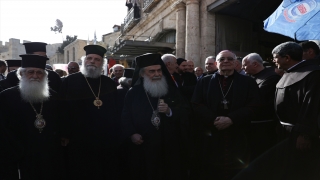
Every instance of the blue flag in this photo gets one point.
(298, 19)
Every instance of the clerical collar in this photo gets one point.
(295, 65)
(224, 75)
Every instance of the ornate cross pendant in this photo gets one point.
(225, 103)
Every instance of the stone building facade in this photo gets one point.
(13, 48)
(74, 51)
(110, 39)
(57, 58)
(202, 28)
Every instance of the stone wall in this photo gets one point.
(57, 58)
(110, 38)
(74, 51)
(13, 48)
(161, 18)
(194, 26)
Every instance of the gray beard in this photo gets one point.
(157, 88)
(91, 71)
(34, 91)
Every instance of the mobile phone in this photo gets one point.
(161, 101)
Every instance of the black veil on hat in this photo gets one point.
(13, 62)
(95, 49)
(33, 60)
(32, 47)
(146, 60)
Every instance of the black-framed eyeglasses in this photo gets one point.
(225, 58)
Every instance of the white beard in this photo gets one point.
(91, 71)
(34, 91)
(157, 88)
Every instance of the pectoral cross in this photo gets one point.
(225, 103)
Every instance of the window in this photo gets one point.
(169, 37)
(74, 54)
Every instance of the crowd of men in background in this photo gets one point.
(164, 119)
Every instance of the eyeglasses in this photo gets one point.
(225, 58)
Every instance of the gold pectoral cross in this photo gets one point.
(225, 103)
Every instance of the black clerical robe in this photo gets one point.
(160, 155)
(3, 84)
(93, 132)
(122, 91)
(186, 83)
(225, 151)
(297, 98)
(36, 154)
(263, 128)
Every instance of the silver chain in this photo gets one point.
(224, 96)
(150, 101)
(35, 109)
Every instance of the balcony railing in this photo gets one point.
(132, 18)
(148, 5)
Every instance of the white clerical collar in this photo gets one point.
(295, 65)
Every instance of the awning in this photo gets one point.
(253, 10)
(136, 48)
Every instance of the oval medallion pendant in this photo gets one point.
(40, 123)
(155, 120)
(97, 102)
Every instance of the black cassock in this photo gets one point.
(186, 83)
(263, 129)
(122, 91)
(93, 131)
(36, 154)
(159, 156)
(225, 152)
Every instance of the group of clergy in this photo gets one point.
(162, 123)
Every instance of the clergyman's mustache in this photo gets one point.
(32, 79)
(91, 66)
(156, 78)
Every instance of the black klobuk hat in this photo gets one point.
(13, 62)
(95, 49)
(32, 47)
(32, 60)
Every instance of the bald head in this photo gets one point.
(211, 64)
(73, 67)
(171, 63)
(226, 60)
(190, 66)
(198, 71)
(252, 63)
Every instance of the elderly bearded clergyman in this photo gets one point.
(29, 114)
(152, 119)
(90, 118)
